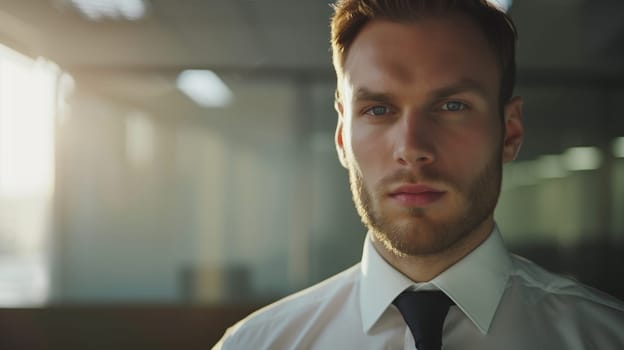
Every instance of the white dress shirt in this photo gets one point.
(502, 302)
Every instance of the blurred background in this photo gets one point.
(168, 166)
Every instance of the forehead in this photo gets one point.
(431, 51)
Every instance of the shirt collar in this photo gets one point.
(489, 264)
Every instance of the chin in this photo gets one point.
(411, 237)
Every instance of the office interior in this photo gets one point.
(137, 210)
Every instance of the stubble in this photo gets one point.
(424, 233)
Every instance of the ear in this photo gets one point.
(514, 129)
(339, 134)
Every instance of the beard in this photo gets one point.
(426, 233)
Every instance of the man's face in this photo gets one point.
(421, 134)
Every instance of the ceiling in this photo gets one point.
(277, 34)
(176, 34)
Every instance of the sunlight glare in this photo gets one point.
(27, 101)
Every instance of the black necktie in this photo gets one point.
(424, 312)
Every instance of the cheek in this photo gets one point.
(470, 152)
(369, 152)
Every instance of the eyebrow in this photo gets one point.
(364, 94)
(462, 85)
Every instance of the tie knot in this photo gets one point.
(424, 312)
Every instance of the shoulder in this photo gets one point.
(565, 296)
(283, 321)
(536, 277)
(572, 312)
(310, 298)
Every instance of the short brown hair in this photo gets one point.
(350, 16)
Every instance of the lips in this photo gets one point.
(416, 195)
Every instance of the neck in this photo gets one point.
(424, 268)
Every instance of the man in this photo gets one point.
(426, 120)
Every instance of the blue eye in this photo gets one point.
(378, 110)
(453, 106)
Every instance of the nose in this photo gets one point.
(414, 140)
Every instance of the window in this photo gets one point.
(28, 96)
